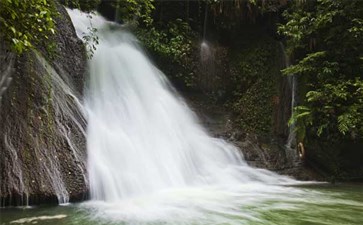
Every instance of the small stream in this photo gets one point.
(335, 204)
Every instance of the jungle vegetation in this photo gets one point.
(324, 39)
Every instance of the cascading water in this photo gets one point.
(207, 76)
(207, 71)
(292, 134)
(68, 112)
(6, 70)
(148, 157)
(291, 151)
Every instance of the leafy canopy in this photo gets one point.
(326, 39)
(24, 24)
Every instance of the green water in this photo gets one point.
(332, 204)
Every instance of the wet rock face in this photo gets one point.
(42, 140)
(261, 152)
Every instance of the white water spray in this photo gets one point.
(207, 76)
(149, 159)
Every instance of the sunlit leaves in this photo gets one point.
(135, 11)
(173, 41)
(25, 23)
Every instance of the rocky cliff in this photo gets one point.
(42, 139)
(248, 101)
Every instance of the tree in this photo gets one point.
(325, 39)
(26, 23)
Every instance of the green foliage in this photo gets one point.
(255, 108)
(25, 24)
(135, 11)
(301, 118)
(230, 14)
(325, 37)
(91, 41)
(171, 43)
(253, 69)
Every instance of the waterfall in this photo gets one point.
(292, 134)
(149, 158)
(207, 76)
(68, 113)
(40, 143)
(291, 152)
(207, 60)
(6, 70)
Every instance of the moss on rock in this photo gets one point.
(255, 73)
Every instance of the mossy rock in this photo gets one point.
(256, 76)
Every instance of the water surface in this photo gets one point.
(314, 204)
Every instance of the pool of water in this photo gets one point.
(313, 204)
